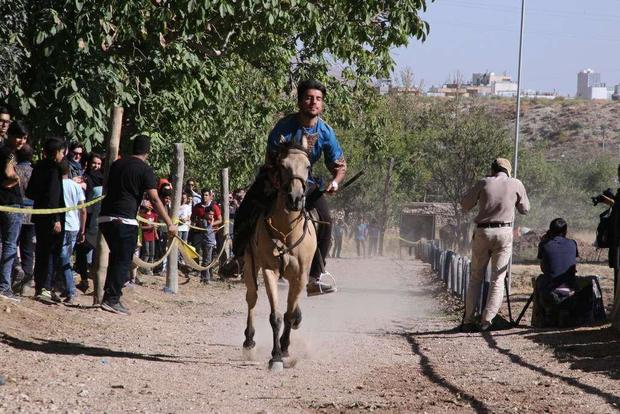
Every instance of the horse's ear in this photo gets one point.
(304, 142)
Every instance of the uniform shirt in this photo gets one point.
(73, 195)
(321, 141)
(558, 256)
(128, 179)
(496, 196)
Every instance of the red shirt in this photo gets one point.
(148, 234)
(199, 212)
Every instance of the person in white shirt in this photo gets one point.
(184, 215)
(75, 224)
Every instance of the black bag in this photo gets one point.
(603, 233)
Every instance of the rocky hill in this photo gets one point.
(569, 128)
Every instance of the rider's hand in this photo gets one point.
(332, 188)
(172, 230)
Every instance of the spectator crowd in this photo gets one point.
(46, 251)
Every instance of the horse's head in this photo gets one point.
(294, 167)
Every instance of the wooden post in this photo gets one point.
(178, 167)
(386, 203)
(225, 203)
(102, 252)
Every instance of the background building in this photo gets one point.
(589, 85)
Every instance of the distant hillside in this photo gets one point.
(571, 129)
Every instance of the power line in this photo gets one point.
(513, 29)
(581, 15)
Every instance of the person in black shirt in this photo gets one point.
(10, 195)
(45, 189)
(127, 181)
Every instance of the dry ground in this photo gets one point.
(385, 342)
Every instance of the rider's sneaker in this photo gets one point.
(316, 287)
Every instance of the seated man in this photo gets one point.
(558, 262)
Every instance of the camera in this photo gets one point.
(601, 197)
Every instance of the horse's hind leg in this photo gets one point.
(292, 317)
(275, 319)
(251, 296)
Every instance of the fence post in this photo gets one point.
(178, 167)
(99, 266)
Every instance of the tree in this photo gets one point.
(460, 142)
(207, 73)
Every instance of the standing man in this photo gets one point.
(45, 189)
(322, 140)
(10, 195)
(129, 178)
(496, 196)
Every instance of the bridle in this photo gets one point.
(279, 239)
(286, 185)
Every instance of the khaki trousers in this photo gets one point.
(495, 245)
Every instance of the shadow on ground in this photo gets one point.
(73, 348)
(593, 350)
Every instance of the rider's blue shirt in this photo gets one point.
(321, 139)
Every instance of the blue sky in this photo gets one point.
(561, 38)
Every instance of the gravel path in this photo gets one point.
(382, 343)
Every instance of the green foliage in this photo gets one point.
(459, 143)
(562, 188)
(212, 74)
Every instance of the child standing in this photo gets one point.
(206, 244)
(75, 226)
(149, 235)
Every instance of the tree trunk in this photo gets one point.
(386, 204)
(178, 167)
(100, 259)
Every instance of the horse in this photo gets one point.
(283, 245)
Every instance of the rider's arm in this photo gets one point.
(334, 158)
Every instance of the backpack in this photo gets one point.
(603, 230)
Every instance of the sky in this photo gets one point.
(561, 38)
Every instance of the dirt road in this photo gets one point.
(382, 343)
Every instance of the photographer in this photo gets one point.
(610, 221)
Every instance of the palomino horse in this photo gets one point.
(283, 244)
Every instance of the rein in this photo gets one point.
(282, 247)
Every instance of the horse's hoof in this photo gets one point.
(276, 366)
(249, 344)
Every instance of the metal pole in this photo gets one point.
(508, 280)
(518, 117)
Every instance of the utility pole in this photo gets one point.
(508, 280)
(178, 167)
(102, 253)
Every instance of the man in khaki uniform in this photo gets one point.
(496, 196)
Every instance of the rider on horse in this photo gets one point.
(321, 141)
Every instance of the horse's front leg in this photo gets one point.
(292, 317)
(251, 296)
(275, 319)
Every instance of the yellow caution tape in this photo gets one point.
(39, 211)
(187, 251)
